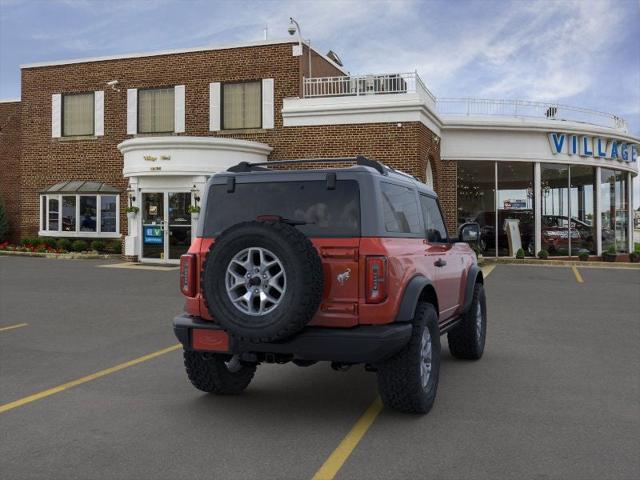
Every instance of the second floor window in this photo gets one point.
(156, 110)
(77, 114)
(241, 105)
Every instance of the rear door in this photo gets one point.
(443, 260)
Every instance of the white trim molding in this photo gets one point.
(391, 108)
(268, 114)
(56, 115)
(187, 156)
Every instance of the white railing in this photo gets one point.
(524, 108)
(357, 85)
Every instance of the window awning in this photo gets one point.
(81, 186)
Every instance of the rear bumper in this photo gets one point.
(362, 344)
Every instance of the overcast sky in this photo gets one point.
(583, 52)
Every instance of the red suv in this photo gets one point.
(348, 265)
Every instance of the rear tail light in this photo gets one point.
(376, 283)
(188, 275)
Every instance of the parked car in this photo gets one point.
(348, 265)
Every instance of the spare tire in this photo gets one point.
(262, 281)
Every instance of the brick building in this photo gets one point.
(91, 137)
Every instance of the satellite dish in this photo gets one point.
(335, 58)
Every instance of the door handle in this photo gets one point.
(440, 263)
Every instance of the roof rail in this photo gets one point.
(359, 160)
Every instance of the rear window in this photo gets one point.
(327, 213)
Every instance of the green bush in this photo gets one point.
(29, 242)
(543, 254)
(611, 249)
(79, 246)
(634, 257)
(97, 245)
(47, 242)
(4, 222)
(64, 244)
(583, 256)
(520, 253)
(114, 247)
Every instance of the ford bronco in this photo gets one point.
(349, 265)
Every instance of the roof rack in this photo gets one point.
(359, 160)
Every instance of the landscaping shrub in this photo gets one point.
(543, 254)
(114, 247)
(520, 253)
(583, 256)
(47, 242)
(4, 222)
(79, 246)
(64, 244)
(97, 245)
(29, 242)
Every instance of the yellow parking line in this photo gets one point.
(335, 461)
(577, 274)
(60, 388)
(11, 327)
(487, 269)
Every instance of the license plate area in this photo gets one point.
(210, 340)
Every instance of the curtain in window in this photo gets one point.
(77, 110)
(241, 105)
(156, 110)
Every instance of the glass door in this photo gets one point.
(166, 226)
(153, 215)
(179, 232)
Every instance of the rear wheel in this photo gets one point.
(467, 339)
(408, 381)
(217, 373)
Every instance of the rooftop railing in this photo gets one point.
(402, 83)
(357, 85)
(528, 109)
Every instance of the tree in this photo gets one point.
(4, 222)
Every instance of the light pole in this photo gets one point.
(294, 27)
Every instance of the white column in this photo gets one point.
(132, 245)
(598, 212)
(630, 211)
(537, 207)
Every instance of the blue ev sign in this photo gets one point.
(589, 146)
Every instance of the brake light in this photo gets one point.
(188, 275)
(376, 284)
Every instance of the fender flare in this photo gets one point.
(474, 276)
(411, 296)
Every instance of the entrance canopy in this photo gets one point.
(81, 186)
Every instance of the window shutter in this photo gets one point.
(267, 103)
(214, 106)
(132, 111)
(56, 115)
(98, 111)
(179, 108)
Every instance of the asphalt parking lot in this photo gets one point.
(555, 396)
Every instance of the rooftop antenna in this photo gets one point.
(266, 32)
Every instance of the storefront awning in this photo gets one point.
(81, 186)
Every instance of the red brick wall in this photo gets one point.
(10, 163)
(46, 161)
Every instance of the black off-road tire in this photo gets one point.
(399, 378)
(209, 373)
(466, 340)
(304, 280)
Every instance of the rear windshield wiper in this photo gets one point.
(278, 218)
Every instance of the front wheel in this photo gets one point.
(408, 381)
(218, 373)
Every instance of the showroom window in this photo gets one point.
(241, 105)
(156, 110)
(80, 209)
(516, 222)
(78, 114)
(477, 201)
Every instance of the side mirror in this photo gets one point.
(469, 232)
